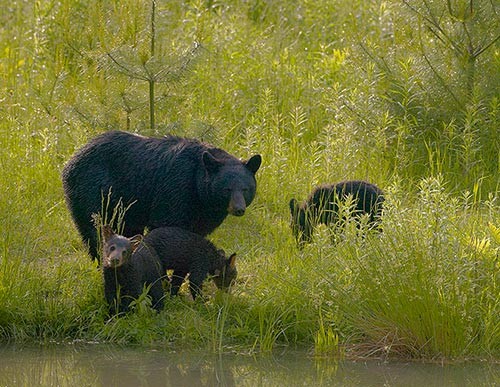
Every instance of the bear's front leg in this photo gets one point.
(176, 282)
(196, 279)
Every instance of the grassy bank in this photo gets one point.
(325, 92)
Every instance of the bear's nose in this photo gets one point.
(114, 261)
(239, 212)
(237, 204)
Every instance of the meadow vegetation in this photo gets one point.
(403, 93)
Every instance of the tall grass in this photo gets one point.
(325, 91)
(425, 287)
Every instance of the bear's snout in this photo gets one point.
(239, 212)
(237, 205)
(236, 210)
(112, 262)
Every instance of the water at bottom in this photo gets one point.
(104, 365)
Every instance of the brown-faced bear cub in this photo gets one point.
(129, 264)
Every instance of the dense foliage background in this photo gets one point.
(403, 93)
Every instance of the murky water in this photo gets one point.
(112, 366)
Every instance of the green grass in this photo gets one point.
(325, 91)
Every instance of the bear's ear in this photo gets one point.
(135, 241)
(211, 164)
(253, 163)
(232, 261)
(107, 232)
(294, 206)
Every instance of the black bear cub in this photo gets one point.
(185, 253)
(128, 265)
(131, 263)
(322, 206)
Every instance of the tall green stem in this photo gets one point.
(152, 103)
(151, 80)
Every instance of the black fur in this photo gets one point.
(186, 253)
(172, 181)
(128, 266)
(322, 206)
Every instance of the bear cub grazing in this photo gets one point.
(186, 253)
(322, 206)
(128, 265)
(167, 182)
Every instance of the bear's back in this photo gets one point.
(121, 150)
(177, 247)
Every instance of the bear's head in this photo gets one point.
(116, 249)
(231, 183)
(225, 275)
(300, 223)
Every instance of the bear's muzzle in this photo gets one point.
(237, 204)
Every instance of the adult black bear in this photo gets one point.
(322, 206)
(168, 181)
(186, 253)
(128, 267)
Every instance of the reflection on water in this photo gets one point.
(113, 366)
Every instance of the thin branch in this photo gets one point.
(132, 74)
(431, 21)
(481, 50)
(457, 17)
(378, 60)
(470, 44)
(152, 104)
(442, 81)
(151, 77)
(153, 27)
(164, 73)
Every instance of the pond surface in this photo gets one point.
(100, 365)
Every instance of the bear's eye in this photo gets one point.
(112, 248)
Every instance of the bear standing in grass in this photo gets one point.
(169, 181)
(131, 264)
(128, 266)
(185, 253)
(322, 206)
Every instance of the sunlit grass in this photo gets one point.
(285, 82)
